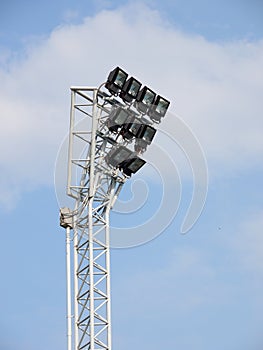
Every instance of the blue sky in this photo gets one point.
(196, 291)
(224, 20)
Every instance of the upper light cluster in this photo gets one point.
(129, 121)
(130, 90)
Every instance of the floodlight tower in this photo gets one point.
(108, 132)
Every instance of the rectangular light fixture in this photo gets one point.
(117, 118)
(144, 138)
(145, 99)
(146, 133)
(130, 90)
(116, 80)
(124, 159)
(159, 109)
(131, 128)
(132, 165)
(118, 155)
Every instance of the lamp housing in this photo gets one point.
(144, 138)
(117, 156)
(117, 118)
(146, 133)
(131, 128)
(130, 90)
(124, 159)
(116, 80)
(158, 109)
(132, 165)
(145, 99)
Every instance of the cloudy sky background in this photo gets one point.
(197, 291)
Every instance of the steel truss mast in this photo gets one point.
(94, 185)
(101, 157)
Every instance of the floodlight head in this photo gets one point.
(124, 159)
(144, 138)
(131, 128)
(116, 80)
(132, 165)
(117, 118)
(130, 90)
(159, 109)
(146, 133)
(117, 156)
(145, 99)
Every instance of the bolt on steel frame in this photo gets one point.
(94, 185)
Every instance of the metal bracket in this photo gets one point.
(66, 218)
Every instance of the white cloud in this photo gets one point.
(215, 87)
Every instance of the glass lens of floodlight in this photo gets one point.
(121, 155)
(134, 128)
(120, 79)
(121, 117)
(162, 106)
(134, 88)
(135, 165)
(148, 97)
(148, 134)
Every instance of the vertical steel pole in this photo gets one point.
(75, 231)
(107, 241)
(70, 146)
(76, 306)
(68, 265)
(90, 221)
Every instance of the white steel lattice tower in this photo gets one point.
(94, 182)
(95, 188)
